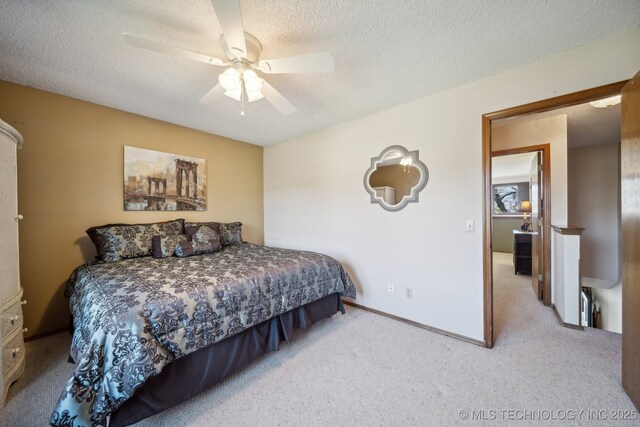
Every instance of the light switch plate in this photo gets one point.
(469, 226)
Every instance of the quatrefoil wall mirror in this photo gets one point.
(395, 178)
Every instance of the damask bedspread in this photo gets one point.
(133, 317)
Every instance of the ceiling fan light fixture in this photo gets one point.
(254, 95)
(264, 66)
(230, 80)
(240, 53)
(252, 82)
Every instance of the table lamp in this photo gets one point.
(525, 207)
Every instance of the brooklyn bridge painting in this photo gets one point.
(157, 181)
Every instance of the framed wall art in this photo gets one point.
(158, 181)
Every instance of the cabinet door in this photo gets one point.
(9, 273)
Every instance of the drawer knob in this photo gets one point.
(19, 217)
(14, 319)
(16, 351)
(25, 330)
(23, 302)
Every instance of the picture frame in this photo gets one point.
(159, 181)
(511, 206)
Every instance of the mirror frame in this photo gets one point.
(414, 196)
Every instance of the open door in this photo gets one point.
(487, 153)
(535, 196)
(629, 164)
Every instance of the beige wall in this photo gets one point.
(594, 203)
(396, 177)
(70, 177)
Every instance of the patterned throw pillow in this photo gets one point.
(230, 233)
(185, 249)
(191, 228)
(205, 234)
(203, 239)
(118, 241)
(163, 247)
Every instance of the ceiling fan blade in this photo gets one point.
(230, 19)
(277, 100)
(210, 97)
(161, 47)
(313, 63)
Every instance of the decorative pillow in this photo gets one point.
(205, 234)
(191, 228)
(185, 249)
(231, 233)
(163, 247)
(118, 241)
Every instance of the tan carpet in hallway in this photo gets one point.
(364, 369)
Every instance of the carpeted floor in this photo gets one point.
(364, 369)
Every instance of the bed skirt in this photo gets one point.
(191, 374)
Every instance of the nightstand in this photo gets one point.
(522, 252)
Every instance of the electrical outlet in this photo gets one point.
(408, 292)
(390, 288)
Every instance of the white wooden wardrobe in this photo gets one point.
(11, 328)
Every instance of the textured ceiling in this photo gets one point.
(586, 125)
(512, 167)
(386, 53)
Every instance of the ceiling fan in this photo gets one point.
(242, 50)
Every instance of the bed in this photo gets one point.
(150, 333)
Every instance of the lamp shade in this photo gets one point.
(525, 206)
(234, 94)
(229, 80)
(254, 96)
(252, 82)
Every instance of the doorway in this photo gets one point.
(519, 181)
(487, 120)
(521, 188)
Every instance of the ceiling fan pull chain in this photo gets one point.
(242, 97)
